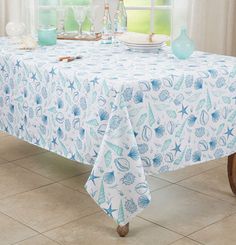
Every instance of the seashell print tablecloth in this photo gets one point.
(127, 114)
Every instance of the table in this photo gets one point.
(127, 114)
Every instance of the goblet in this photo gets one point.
(92, 14)
(61, 13)
(80, 13)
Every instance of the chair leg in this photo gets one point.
(123, 230)
(232, 172)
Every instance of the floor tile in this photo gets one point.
(100, 229)
(213, 182)
(37, 240)
(48, 207)
(3, 134)
(53, 166)
(189, 171)
(185, 241)
(14, 179)
(220, 233)
(12, 148)
(12, 231)
(185, 211)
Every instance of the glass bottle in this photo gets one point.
(120, 20)
(107, 31)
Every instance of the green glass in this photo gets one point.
(47, 36)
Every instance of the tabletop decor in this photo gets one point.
(126, 114)
(15, 31)
(183, 47)
(47, 36)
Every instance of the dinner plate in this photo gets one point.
(143, 39)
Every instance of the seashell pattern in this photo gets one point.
(126, 114)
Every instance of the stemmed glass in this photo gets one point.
(80, 13)
(92, 14)
(61, 12)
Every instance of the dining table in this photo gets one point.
(128, 114)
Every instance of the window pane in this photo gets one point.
(139, 21)
(137, 2)
(162, 23)
(162, 2)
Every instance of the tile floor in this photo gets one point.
(42, 202)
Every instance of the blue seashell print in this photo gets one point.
(222, 141)
(170, 127)
(1, 101)
(159, 131)
(102, 129)
(143, 201)
(204, 118)
(146, 162)
(219, 153)
(191, 120)
(130, 206)
(213, 143)
(122, 164)
(232, 87)
(144, 86)
(203, 146)
(76, 123)
(188, 155)
(157, 160)
(60, 118)
(196, 157)
(38, 99)
(114, 122)
(7, 89)
(220, 82)
(109, 178)
(215, 116)
(67, 125)
(60, 133)
(43, 129)
(83, 103)
(101, 101)
(142, 148)
(10, 117)
(81, 133)
(31, 113)
(189, 81)
(146, 133)
(60, 103)
(134, 154)
(45, 119)
(164, 95)
(138, 97)
(127, 94)
(76, 111)
(25, 93)
(12, 108)
(169, 158)
(213, 73)
(179, 99)
(200, 132)
(128, 179)
(103, 115)
(141, 188)
(164, 169)
(198, 84)
(44, 92)
(156, 84)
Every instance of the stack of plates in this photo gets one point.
(139, 42)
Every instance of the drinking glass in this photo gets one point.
(92, 13)
(61, 13)
(80, 13)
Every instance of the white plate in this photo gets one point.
(143, 45)
(142, 39)
(145, 49)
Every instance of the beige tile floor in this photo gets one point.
(43, 202)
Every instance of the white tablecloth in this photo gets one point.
(127, 114)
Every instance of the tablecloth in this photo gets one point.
(127, 114)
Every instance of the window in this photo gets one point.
(149, 16)
(143, 15)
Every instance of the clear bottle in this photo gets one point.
(107, 31)
(120, 20)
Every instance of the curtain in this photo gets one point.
(17, 11)
(212, 25)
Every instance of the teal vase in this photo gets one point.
(183, 46)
